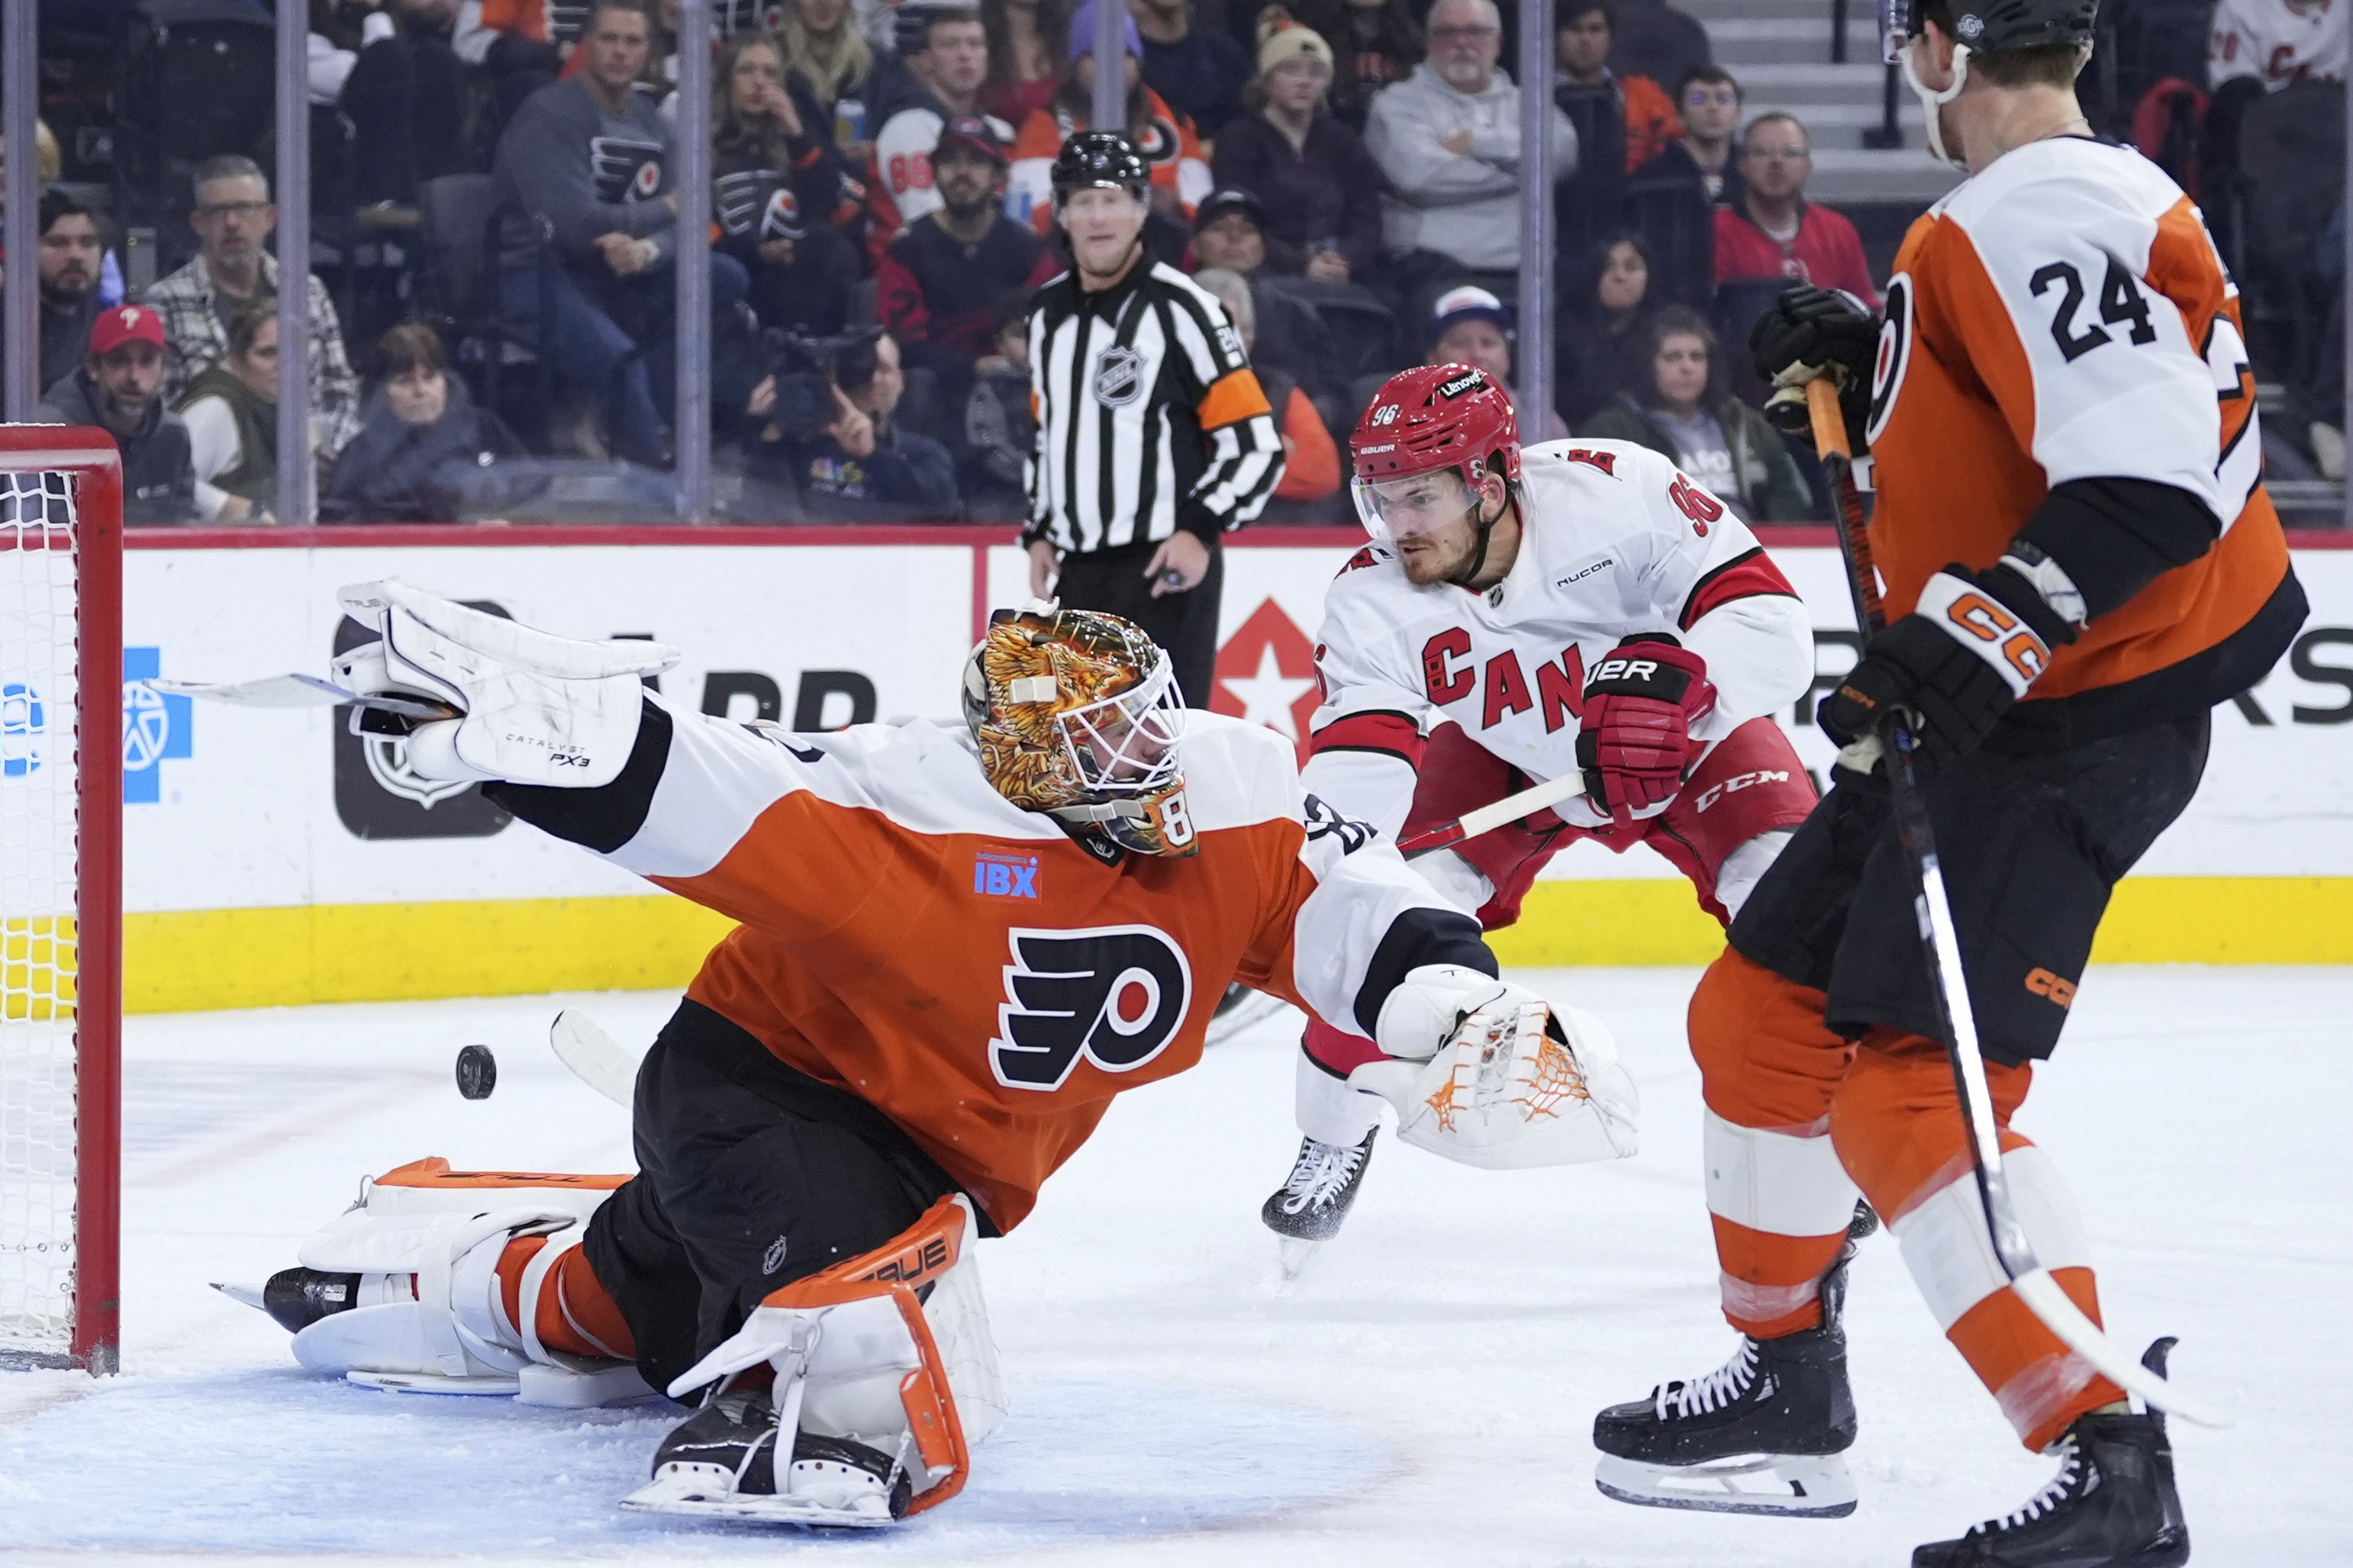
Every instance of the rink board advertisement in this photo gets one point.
(274, 858)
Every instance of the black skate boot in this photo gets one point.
(720, 1460)
(1761, 1434)
(1307, 1210)
(2112, 1505)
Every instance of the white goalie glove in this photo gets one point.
(532, 708)
(1490, 1074)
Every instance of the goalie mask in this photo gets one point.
(1077, 716)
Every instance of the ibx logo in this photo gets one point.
(996, 876)
(156, 728)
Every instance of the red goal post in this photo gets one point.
(61, 705)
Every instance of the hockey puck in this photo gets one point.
(478, 1072)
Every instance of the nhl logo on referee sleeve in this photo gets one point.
(1119, 378)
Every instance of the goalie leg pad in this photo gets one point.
(1517, 1085)
(889, 1352)
(438, 1304)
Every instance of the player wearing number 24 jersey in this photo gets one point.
(2079, 561)
(1575, 610)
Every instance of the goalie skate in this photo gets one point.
(1307, 1210)
(721, 1463)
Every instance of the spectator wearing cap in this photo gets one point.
(1200, 71)
(950, 65)
(1320, 191)
(233, 267)
(1448, 137)
(118, 388)
(785, 200)
(1029, 40)
(940, 280)
(1470, 326)
(1774, 232)
(1180, 167)
(1672, 200)
(72, 252)
(1311, 459)
(1622, 122)
(1374, 43)
(1229, 236)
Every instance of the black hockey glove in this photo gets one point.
(1809, 331)
(1954, 665)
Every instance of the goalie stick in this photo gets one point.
(1947, 979)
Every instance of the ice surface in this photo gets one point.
(1423, 1395)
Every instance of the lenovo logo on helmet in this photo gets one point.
(1469, 381)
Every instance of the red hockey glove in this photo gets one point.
(1635, 744)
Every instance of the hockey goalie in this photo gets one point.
(956, 943)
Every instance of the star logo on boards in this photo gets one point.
(1266, 675)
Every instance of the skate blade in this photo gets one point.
(429, 1383)
(696, 1496)
(250, 1295)
(1796, 1485)
(1294, 1253)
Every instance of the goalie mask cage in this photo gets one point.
(63, 706)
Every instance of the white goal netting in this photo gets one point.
(39, 796)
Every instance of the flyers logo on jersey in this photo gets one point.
(1113, 995)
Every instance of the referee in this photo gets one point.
(1153, 435)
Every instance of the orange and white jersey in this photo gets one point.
(2276, 43)
(2063, 315)
(964, 965)
(1616, 541)
(1179, 164)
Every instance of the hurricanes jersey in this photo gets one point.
(2063, 315)
(1615, 541)
(965, 967)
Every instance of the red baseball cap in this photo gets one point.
(971, 130)
(125, 325)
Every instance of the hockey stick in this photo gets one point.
(600, 1061)
(1947, 979)
(1511, 808)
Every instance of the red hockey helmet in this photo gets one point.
(1431, 418)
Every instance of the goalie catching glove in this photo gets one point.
(534, 708)
(1489, 1074)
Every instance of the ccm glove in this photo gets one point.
(1954, 665)
(1807, 333)
(1635, 742)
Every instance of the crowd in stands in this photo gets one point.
(1344, 175)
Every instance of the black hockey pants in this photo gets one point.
(750, 1175)
(1184, 623)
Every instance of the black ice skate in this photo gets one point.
(2112, 1504)
(720, 1461)
(1761, 1434)
(1307, 1210)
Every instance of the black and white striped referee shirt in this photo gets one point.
(1149, 417)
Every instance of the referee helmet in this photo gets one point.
(1100, 160)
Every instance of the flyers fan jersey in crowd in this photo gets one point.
(2096, 338)
(961, 964)
(1616, 541)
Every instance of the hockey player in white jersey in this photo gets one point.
(1579, 611)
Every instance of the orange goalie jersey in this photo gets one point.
(964, 965)
(2063, 315)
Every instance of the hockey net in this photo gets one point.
(60, 815)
